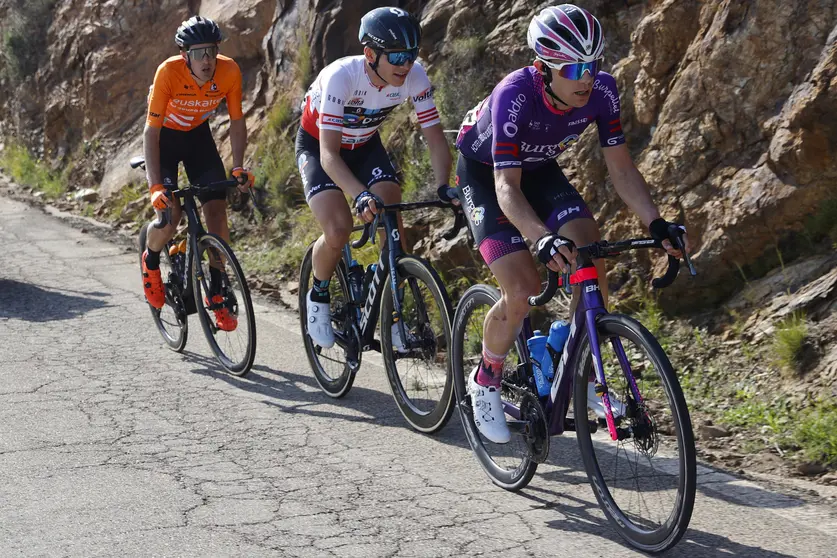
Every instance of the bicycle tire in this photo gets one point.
(412, 269)
(670, 532)
(176, 341)
(339, 385)
(241, 366)
(514, 479)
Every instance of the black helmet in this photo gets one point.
(389, 28)
(197, 30)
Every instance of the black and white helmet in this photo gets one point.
(389, 28)
(197, 30)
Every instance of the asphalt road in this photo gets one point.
(112, 445)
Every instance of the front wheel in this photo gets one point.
(510, 465)
(416, 357)
(224, 306)
(644, 481)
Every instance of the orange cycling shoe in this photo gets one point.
(152, 283)
(224, 319)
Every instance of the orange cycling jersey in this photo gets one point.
(175, 100)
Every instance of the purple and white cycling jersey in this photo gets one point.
(515, 126)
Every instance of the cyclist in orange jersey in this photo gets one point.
(186, 91)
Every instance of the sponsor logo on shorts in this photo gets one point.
(477, 215)
(517, 240)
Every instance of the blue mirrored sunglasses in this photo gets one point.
(576, 71)
(401, 57)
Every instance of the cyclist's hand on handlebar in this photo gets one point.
(367, 205)
(448, 195)
(244, 177)
(160, 197)
(556, 252)
(666, 232)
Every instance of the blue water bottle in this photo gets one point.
(559, 332)
(537, 352)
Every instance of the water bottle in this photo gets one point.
(537, 352)
(559, 332)
(356, 279)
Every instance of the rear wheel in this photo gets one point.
(508, 465)
(224, 306)
(419, 374)
(171, 318)
(645, 481)
(334, 367)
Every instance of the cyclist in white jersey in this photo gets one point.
(339, 151)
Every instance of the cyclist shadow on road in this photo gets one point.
(33, 303)
(584, 516)
(299, 393)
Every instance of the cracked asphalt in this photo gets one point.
(112, 445)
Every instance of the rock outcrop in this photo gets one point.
(728, 105)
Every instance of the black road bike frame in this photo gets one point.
(366, 316)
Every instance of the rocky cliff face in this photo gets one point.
(728, 105)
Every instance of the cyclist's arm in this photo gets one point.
(440, 158)
(334, 165)
(632, 188)
(151, 150)
(238, 127)
(629, 183)
(238, 141)
(158, 100)
(421, 95)
(514, 204)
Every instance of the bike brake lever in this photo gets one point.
(682, 247)
(373, 232)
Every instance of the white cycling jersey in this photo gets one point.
(343, 98)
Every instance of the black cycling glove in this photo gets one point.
(362, 201)
(661, 229)
(548, 245)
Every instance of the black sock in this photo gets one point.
(320, 292)
(216, 283)
(152, 259)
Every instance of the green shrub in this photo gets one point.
(27, 170)
(816, 433)
(789, 339)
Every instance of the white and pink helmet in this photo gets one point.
(566, 34)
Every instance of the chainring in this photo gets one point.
(536, 432)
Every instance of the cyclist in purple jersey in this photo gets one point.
(512, 188)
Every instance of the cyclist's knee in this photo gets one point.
(337, 234)
(516, 297)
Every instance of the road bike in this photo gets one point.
(641, 460)
(400, 289)
(202, 263)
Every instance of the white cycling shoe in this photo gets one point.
(488, 411)
(320, 329)
(596, 403)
